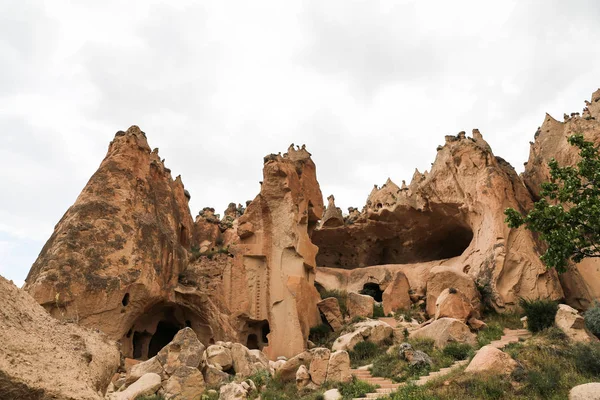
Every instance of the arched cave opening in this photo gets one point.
(257, 334)
(156, 327)
(373, 290)
(405, 236)
(165, 332)
(252, 342)
(125, 300)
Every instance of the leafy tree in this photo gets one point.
(567, 217)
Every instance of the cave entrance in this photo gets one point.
(373, 290)
(165, 332)
(402, 236)
(157, 326)
(258, 334)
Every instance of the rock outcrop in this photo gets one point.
(491, 361)
(43, 358)
(445, 330)
(581, 284)
(572, 324)
(452, 216)
(115, 258)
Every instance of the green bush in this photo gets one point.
(592, 319)
(544, 381)
(364, 351)
(458, 351)
(378, 311)
(587, 359)
(355, 388)
(319, 334)
(540, 313)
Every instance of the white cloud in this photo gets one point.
(370, 87)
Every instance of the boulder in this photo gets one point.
(396, 295)
(491, 361)
(219, 357)
(330, 309)
(338, 369)
(302, 377)
(233, 391)
(572, 324)
(287, 372)
(184, 350)
(476, 324)
(143, 368)
(186, 383)
(414, 357)
(443, 277)
(214, 376)
(452, 303)
(444, 331)
(245, 362)
(332, 394)
(360, 305)
(318, 365)
(146, 385)
(371, 330)
(589, 391)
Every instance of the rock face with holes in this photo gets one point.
(127, 257)
(269, 282)
(43, 358)
(115, 258)
(581, 283)
(451, 216)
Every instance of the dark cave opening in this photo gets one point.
(406, 236)
(165, 332)
(252, 342)
(157, 326)
(373, 290)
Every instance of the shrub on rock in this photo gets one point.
(540, 313)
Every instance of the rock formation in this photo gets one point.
(115, 258)
(581, 283)
(451, 216)
(43, 358)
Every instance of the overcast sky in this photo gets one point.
(370, 87)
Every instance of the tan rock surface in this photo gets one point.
(43, 358)
(396, 296)
(330, 308)
(114, 259)
(588, 391)
(490, 360)
(371, 330)
(568, 319)
(452, 303)
(338, 369)
(444, 331)
(450, 216)
(359, 305)
(443, 278)
(186, 383)
(145, 386)
(581, 283)
(287, 372)
(318, 365)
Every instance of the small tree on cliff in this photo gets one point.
(567, 217)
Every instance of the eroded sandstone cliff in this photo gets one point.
(453, 216)
(582, 282)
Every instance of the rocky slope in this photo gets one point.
(452, 216)
(43, 358)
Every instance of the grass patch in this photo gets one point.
(355, 388)
(364, 353)
(458, 351)
(378, 311)
(393, 367)
(549, 366)
(540, 313)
